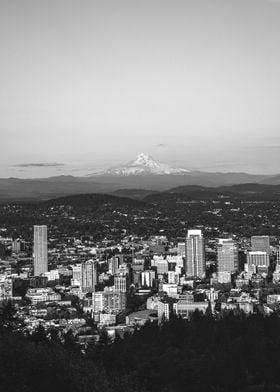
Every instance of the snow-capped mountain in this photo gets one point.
(143, 165)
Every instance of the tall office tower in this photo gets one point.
(136, 278)
(40, 250)
(260, 243)
(121, 282)
(277, 260)
(165, 307)
(276, 273)
(181, 249)
(89, 276)
(98, 301)
(76, 275)
(257, 261)
(227, 253)
(17, 246)
(137, 269)
(195, 254)
(114, 265)
(147, 278)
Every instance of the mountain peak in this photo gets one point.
(143, 159)
(145, 165)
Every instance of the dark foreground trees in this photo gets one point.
(232, 354)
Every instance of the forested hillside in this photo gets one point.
(234, 353)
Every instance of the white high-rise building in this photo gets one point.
(164, 309)
(195, 254)
(76, 275)
(257, 260)
(89, 276)
(121, 282)
(147, 278)
(40, 250)
(227, 253)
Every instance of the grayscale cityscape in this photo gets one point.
(140, 196)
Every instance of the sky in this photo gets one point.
(90, 84)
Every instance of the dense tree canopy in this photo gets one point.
(233, 353)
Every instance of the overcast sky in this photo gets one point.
(85, 84)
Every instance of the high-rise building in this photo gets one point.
(276, 273)
(227, 253)
(89, 276)
(18, 245)
(76, 275)
(195, 254)
(177, 261)
(181, 249)
(257, 261)
(277, 267)
(164, 309)
(108, 301)
(162, 266)
(147, 278)
(97, 301)
(121, 282)
(260, 243)
(136, 278)
(40, 250)
(114, 263)
(114, 301)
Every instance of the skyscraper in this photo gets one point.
(76, 275)
(227, 252)
(195, 254)
(40, 250)
(181, 249)
(147, 278)
(260, 243)
(114, 263)
(121, 282)
(257, 261)
(89, 276)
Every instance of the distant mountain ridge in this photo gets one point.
(250, 192)
(138, 178)
(140, 198)
(143, 165)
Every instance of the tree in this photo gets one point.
(39, 335)
(8, 316)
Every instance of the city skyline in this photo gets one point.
(137, 290)
(90, 85)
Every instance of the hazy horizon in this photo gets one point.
(89, 85)
(81, 169)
